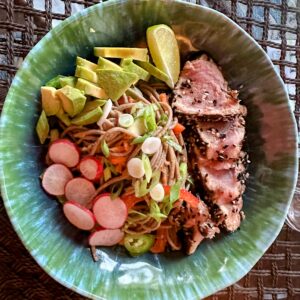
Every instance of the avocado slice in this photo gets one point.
(90, 89)
(154, 71)
(87, 118)
(107, 64)
(115, 52)
(86, 63)
(68, 80)
(42, 127)
(92, 105)
(72, 99)
(86, 73)
(115, 83)
(61, 115)
(129, 66)
(50, 101)
(54, 82)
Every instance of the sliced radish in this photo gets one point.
(55, 179)
(64, 152)
(91, 168)
(110, 213)
(106, 237)
(106, 111)
(79, 216)
(135, 167)
(98, 196)
(80, 190)
(151, 145)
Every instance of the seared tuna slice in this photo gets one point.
(222, 185)
(221, 140)
(203, 92)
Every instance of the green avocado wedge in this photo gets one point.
(90, 89)
(68, 80)
(72, 100)
(86, 118)
(115, 83)
(59, 248)
(50, 101)
(81, 62)
(106, 64)
(129, 66)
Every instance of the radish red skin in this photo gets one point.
(79, 216)
(55, 179)
(110, 214)
(106, 237)
(64, 152)
(80, 190)
(96, 166)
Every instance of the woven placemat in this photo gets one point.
(272, 23)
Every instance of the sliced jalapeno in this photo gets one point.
(138, 244)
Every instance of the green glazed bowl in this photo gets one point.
(60, 249)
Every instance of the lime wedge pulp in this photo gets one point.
(164, 51)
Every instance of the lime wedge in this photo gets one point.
(114, 52)
(164, 51)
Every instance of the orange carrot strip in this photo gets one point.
(116, 160)
(163, 98)
(160, 241)
(131, 200)
(178, 129)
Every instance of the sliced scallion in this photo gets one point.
(105, 149)
(147, 167)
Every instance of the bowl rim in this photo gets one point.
(59, 28)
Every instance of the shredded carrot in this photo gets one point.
(117, 160)
(184, 195)
(119, 168)
(160, 241)
(163, 98)
(167, 189)
(127, 137)
(189, 197)
(131, 200)
(178, 128)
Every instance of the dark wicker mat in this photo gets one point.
(272, 23)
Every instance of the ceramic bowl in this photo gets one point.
(60, 249)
